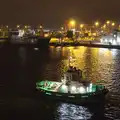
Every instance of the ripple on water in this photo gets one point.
(98, 64)
(67, 111)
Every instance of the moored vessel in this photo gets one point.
(19, 37)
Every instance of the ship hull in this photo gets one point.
(43, 42)
(31, 41)
(75, 99)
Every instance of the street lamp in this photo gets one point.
(18, 26)
(72, 23)
(108, 22)
(113, 24)
(41, 26)
(97, 24)
(81, 26)
(25, 26)
(62, 28)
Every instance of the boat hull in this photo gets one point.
(76, 99)
(31, 41)
(43, 42)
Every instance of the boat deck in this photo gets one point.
(59, 87)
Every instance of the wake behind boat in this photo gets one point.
(72, 88)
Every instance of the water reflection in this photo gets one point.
(72, 112)
(22, 55)
(98, 64)
(22, 67)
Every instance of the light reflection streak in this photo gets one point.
(114, 52)
(67, 111)
(96, 63)
(22, 54)
(99, 64)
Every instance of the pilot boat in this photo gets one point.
(72, 88)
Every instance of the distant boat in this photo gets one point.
(73, 90)
(16, 39)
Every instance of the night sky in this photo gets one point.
(53, 13)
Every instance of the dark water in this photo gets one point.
(21, 67)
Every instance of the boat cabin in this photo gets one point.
(73, 74)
